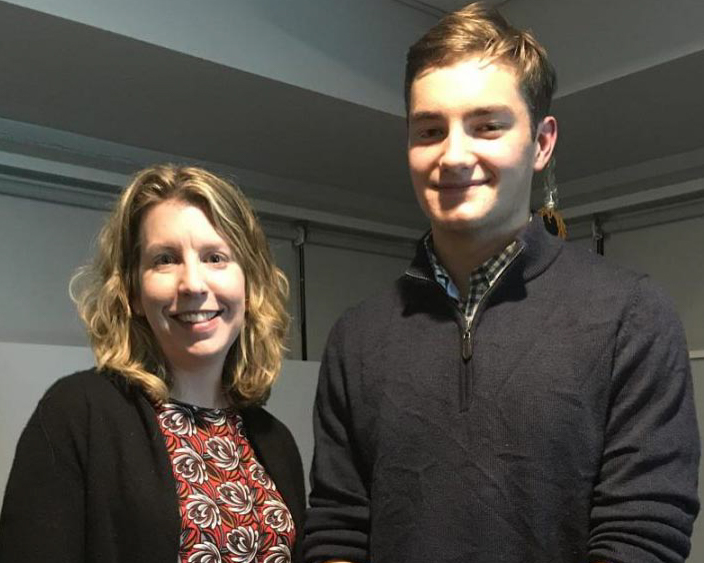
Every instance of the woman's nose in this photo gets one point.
(192, 278)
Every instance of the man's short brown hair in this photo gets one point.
(479, 30)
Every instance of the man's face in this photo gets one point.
(470, 147)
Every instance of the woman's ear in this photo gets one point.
(136, 308)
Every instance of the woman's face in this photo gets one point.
(191, 290)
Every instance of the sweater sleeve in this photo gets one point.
(43, 509)
(337, 524)
(645, 500)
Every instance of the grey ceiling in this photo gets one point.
(72, 77)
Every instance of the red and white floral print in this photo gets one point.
(216, 417)
(205, 553)
(203, 511)
(239, 428)
(260, 476)
(189, 465)
(279, 554)
(224, 452)
(231, 511)
(277, 516)
(243, 543)
(177, 419)
(237, 497)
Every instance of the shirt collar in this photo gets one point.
(480, 279)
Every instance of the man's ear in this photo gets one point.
(545, 140)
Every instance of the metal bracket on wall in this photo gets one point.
(300, 243)
(597, 236)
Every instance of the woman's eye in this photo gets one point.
(217, 258)
(164, 260)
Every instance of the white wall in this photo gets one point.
(336, 279)
(26, 371)
(673, 255)
(41, 245)
(291, 402)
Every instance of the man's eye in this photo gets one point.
(490, 127)
(430, 133)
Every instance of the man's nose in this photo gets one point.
(458, 150)
(192, 277)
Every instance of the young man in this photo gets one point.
(512, 398)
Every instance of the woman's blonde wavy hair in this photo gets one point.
(104, 290)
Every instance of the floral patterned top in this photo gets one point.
(231, 511)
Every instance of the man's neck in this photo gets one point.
(460, 252)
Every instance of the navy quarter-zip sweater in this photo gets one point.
(566, 433)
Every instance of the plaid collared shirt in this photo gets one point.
(480, 280)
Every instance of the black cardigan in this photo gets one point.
(92, 480)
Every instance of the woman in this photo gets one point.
(162, 452)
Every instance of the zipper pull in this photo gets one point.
(466, 346)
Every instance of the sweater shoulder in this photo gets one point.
(274, 441)
(261, 421)
(593, 283)
(595, 272)
(374, 308)
(88, 389)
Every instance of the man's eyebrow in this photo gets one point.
(423, 116)
(476, 112)
(490, 110)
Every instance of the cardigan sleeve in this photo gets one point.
(645, 500)
(42, 515)
(277, 450)
(337, 525)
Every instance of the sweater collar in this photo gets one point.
(537, 250)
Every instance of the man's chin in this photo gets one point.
(488, 224)
(460, 223)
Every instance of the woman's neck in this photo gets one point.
(201, 387)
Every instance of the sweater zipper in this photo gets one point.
(467, 343)
(467, 329)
